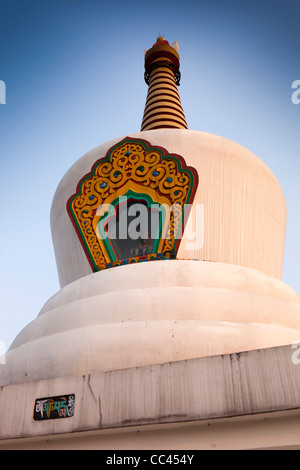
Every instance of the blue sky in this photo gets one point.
(73, 71)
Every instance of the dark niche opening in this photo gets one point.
(133, 230)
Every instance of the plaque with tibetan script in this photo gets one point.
(54, 407)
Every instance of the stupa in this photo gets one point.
(172, 315)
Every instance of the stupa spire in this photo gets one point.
(163, 107)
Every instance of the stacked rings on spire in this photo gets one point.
(163, 107)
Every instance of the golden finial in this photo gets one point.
(161, 37)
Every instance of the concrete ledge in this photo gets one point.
(179, 394)
(266, 431)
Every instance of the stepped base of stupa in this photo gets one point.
(153, 313)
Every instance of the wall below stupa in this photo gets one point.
(238, 401)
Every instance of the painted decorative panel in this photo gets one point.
(134, 178)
